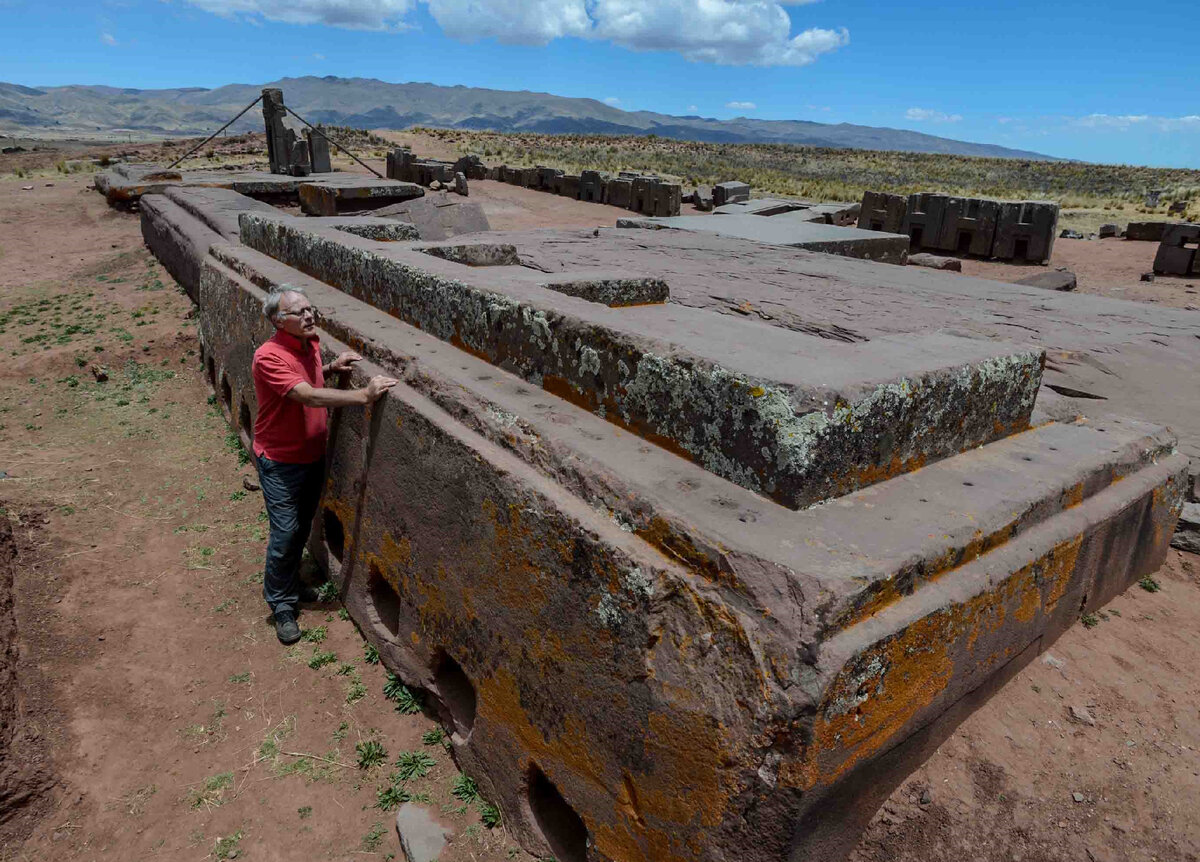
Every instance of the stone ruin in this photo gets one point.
(287, 153)
(1179, 251)
(1020, 231)
(693, 568)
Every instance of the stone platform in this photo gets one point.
(791, 228)
(692, 566)
(328, 194)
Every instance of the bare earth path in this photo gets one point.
(178, 728)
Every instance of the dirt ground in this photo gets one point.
(178, 727)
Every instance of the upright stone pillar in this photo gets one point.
(318, 152)
(279, 149)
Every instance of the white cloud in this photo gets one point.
(1125, 122)
(691, 109)
(318, 56)
(741, 106)
(727, 32)
(108, 38)
(923, 115)
(351, 14)
(612, 100)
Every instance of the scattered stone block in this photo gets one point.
(438, 216)
(341, 193)
(592, 186)
(933, 261)
(1179, 251)
(1054, 280)
(703, 200)
(1187, 532)
(620, 192)
(1067, 233)
(460, 184)
(1108, 230)
(318, 151)
(1026, 231)
(1147, 276)
(422, 836)
(1146, 231)
(968, 226)
(883, 212)
(730, 193)
(568, 186)
(471, 166)
(923, 220)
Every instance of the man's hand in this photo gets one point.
(343, 362)
(376, 386)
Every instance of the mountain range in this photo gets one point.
(373, 104)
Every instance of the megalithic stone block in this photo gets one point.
(969, 226)
(640, 662)
(730, 193)
(923, 220)
(1025, 231)
(279, 147)
(619, 191)
(1179, 251)
(299, 163)
(318, 152)
(806, 429)
(568, 186)
(882, 212)
(667, 199)
(591, 186)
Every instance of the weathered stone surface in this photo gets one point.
(1179, 251)
(1108, 230)
(438, 216)
(468, 483)
(793, 229)
(635, 657)
(1146, 231)
(1187, 533)
(877, 405)
(460, 184)
(1055, 280)
(341, 193)
(318, 151)
(730, 193)
(883, 212)
(1025, 231)
(968, 226)
(933, 261)
(422, 836)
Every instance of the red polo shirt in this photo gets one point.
(286, 430)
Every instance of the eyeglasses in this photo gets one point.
(310, 310)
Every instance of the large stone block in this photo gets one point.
(923, 220)
(969, 226)
(883, 212)
(341, 193)
(730, 193)
(620, 192)
(1178, 253)
(803, 429)
(592, 186)
(1025, 231)
(667, 199)
(318, 151)
(635, 658)
(438, 216)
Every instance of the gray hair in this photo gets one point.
(271, 303)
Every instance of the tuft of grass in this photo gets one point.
(1090, 621)
(434, 737)
(407, 702)
(321, 658)
(227, 847)
(464, 789)
(413, 764)
(371, 841)
(370, 753)
(315, 635)
(305, 811)
(391, 797)
(1149, 584)
(210, 793)
(327, 592)
(489, 815)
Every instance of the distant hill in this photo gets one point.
(370, 103)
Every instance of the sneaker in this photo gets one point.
(286, 628)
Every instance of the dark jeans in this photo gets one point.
(292, 492)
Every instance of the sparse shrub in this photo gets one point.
(370, 752)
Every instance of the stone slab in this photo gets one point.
(341, 193)
(883, 212)
(422, 836)
(438, 215)
(1053, 280)
(730, 193)
(473, 521)
(794, 230)
(1147, 231)
(1179, 251)
(673, 373)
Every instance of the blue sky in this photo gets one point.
(1097, 80)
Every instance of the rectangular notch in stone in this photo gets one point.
(615, 291)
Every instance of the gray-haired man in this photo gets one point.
(289, 440)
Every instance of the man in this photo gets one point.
(289, 440)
